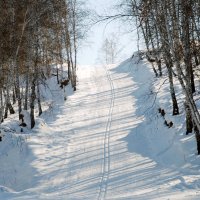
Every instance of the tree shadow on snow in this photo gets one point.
(154, 168)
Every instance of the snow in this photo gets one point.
(107, 141)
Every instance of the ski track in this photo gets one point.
(106, 164)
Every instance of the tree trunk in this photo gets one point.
(2, 106)
(172, 91)
(197, 135)
(38, 98)
(186, 9)
(57, 74)
(189, 122)
(32, 101)
(158, 62)
(147, 46)
(18, 95)
(8, 103)
(13, 95)
(167, 58)
(26, 92)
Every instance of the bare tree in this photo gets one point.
(110, 49)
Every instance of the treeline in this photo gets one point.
(171, 31)
(34, 36)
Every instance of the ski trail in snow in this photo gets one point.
(106, 164)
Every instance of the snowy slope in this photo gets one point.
(107, 141)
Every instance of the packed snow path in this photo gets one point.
(96, 146)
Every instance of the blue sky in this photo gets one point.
(89, 52)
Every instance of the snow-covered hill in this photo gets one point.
(107, 141)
